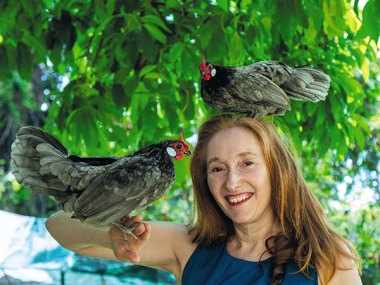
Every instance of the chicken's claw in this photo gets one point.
(128, 230)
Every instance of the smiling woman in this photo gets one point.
(238, 177)
(255, 219)
(250, 197)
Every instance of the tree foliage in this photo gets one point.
(125, 74)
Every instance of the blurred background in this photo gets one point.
(110, 77)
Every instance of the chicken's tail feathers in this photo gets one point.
(307, 84)
(32, 154)
(39, 135)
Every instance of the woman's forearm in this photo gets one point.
(74, 235)
(160, 245)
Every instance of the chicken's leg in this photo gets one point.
(127, 230)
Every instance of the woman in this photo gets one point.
(255, 220)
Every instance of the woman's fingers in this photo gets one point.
(144, 232)
(139, 228)
(128, 249)
(129, 220)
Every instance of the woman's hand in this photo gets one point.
(128, 249)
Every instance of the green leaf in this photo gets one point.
(149, 47)
(144, 122)
(224, 4)
(156, 33)
(361, 121)
(365, 69)
(335, 136)
(360, 139)
(358, 54)
(235, 50)
(100, 11)
(311, 32)
(119, 96)
(24, 61)
(132, 22)
(371, 21)
(286, 21)
(110, 7)
(313, 8)
(321, 117)
(190, 63)
(176, 51)
(147, 69)
(334, 23)
(155, 21)
(173, 4)
(300, 14)
(5, 73)
(8, 17)
(130, 84)
(36, 45)
(11, 53)
(342, 149)
(138, 104)
(336, 107)
(217, 45)
(351, 87)
(190, 107)
(81, 123)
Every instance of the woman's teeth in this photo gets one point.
(238, 199)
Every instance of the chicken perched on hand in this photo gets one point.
(260, 89)
(99, 191)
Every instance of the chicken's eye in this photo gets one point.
(178, 146)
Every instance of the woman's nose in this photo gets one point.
(233, 181)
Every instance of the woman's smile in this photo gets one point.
(238, 199)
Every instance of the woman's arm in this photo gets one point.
(348, 276)
(161, 245)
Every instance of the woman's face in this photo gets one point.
(238, 176)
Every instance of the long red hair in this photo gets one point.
(305, 237)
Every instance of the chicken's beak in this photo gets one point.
(188, 153)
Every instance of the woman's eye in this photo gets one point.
(216, 169)
(248, 163)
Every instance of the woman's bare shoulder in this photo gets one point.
(346, 270)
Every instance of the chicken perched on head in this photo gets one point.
(260, 89)
(98, 191)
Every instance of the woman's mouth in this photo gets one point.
(235, 200)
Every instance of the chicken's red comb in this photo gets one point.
(182, 140)
(203, 66)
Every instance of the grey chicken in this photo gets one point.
(98, 191)
(260, 89)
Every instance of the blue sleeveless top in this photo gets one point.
(213, 265)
